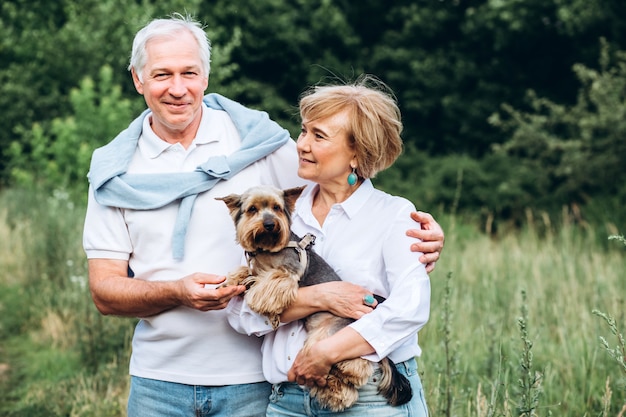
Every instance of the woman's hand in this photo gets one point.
(311, 367)
(344, 299)
(313, 363)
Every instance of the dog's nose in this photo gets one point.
(269, 225)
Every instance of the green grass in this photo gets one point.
(525, 323)
(59, 356)
(554, 283)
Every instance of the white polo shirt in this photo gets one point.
(185, 345)
(364, 240)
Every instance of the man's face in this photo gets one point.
(173, 86)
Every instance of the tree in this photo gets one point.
(47, 47)
(57, 156)
(580, 149)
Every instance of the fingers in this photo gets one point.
(370, 301)
(431, 238)
(434, 236)
(427, 221)
(431, 235)
(422, 217)
(347, 300)
(309, 378)
(200, 292)
(210, 279)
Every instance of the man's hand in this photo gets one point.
(199, 291)
(114, 293)
(431, 236)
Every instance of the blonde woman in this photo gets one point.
(349, 133)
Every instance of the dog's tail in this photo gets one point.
(394, 386)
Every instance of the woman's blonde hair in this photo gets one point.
(374, 121)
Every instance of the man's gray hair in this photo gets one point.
(169, 27)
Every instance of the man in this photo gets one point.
(152, 216)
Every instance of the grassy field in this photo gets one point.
(513, 330)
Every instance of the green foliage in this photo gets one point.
(618, 353)
(58, 156)
(451, 64)
(619, 238)
(557, 156)
(480, 190)
(579, 151)
(450, 371)
(48, 47)
(530, 379)
(60, 357)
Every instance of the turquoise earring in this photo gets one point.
(352, 178)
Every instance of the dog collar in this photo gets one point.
(300, 247)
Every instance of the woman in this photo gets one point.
(349, 134)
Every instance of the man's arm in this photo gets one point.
(115, 293)
(431, 236)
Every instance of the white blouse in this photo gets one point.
(364, 240)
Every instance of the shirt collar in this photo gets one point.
(357, 200)
(153, 146)
(351, 206)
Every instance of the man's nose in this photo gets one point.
(177, 86)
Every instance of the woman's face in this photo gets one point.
(324, 152)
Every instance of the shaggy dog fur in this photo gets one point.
(279, 262)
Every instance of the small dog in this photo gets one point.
(279, 262)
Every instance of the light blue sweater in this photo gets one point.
(113, 187)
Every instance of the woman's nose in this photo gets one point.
(302, 142)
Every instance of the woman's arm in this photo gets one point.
(340, 298)
(393, 322)
(313, 365)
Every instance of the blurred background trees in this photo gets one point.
(508, 105)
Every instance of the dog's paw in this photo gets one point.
(240, 276)
(227, 283)
(274, 321)
(272, 293)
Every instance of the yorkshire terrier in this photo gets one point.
(279, 262)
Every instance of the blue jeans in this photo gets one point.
(153, 398)
(289, 399)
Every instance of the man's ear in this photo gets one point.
(136, 81)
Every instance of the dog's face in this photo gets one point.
(262, 216)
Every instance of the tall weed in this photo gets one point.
(60, 357)
(55, 341)
(565, 274)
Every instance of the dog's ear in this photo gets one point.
(290, 196)
(233, 202)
